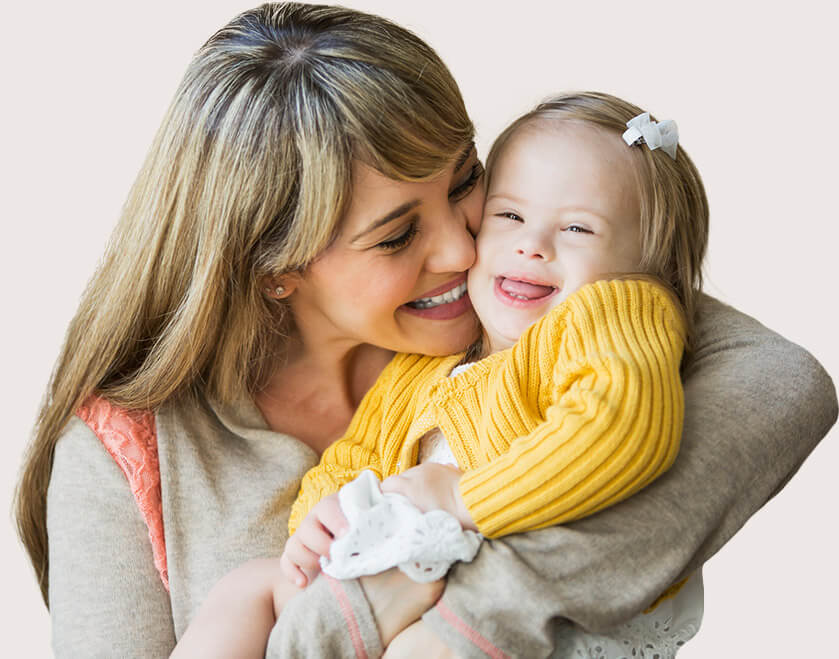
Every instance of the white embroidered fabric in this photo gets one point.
(387, 530)
(659, 634)
(433, 447)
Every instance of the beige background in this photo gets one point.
(754, 93)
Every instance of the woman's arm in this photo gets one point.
(756, 406)
(106, 596)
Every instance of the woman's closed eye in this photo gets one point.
(463, 188)
(400, 241)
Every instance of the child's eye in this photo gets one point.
(400, 241)
(576, 228)
(511, 216)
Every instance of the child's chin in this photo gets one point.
(506, 338)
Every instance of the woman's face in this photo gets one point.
(395, 276)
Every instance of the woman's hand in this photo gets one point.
(300, 561)
(432, 486)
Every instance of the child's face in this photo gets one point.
(562, 210)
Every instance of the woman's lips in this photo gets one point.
(444, 288)
(425, 307)
(442, 311)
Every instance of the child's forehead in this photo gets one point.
(556, 166)
(582, 134)
(562, 146)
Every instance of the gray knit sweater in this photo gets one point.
(756, 406)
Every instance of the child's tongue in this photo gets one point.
(522, 288)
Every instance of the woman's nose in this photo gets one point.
(453, 247)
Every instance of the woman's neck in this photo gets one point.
(313, 394)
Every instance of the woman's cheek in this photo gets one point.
(396, 286)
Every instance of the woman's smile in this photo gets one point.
(442, 303)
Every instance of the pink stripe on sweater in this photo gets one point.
(472, 635)
(349, 616)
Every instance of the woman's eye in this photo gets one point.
(401, 240)
(464, 188)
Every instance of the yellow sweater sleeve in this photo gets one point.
(346, 458)
(607, 370)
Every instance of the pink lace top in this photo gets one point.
(130, 436)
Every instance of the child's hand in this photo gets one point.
(432, 486)
(300, 561)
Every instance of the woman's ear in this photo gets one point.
(281, 286)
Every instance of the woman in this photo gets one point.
(287, 217)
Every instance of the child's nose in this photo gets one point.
(535, 247)
(531, 253)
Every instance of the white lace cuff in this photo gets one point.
(387, 530)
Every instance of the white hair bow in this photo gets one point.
(655, 134)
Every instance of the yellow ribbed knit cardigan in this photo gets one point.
(583, 411)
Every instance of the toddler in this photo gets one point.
(587, 271)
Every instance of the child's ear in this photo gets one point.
(281, 286)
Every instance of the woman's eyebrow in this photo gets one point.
(396, 212)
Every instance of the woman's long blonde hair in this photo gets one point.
(248, 177)
(674, 208)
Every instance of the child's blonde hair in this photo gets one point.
(674, 208)
(248, 177)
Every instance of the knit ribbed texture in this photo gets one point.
(582, 412)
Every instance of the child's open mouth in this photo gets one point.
(522, 293)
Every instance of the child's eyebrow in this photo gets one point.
(576, 208)
(584, 209)
(506, 197)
